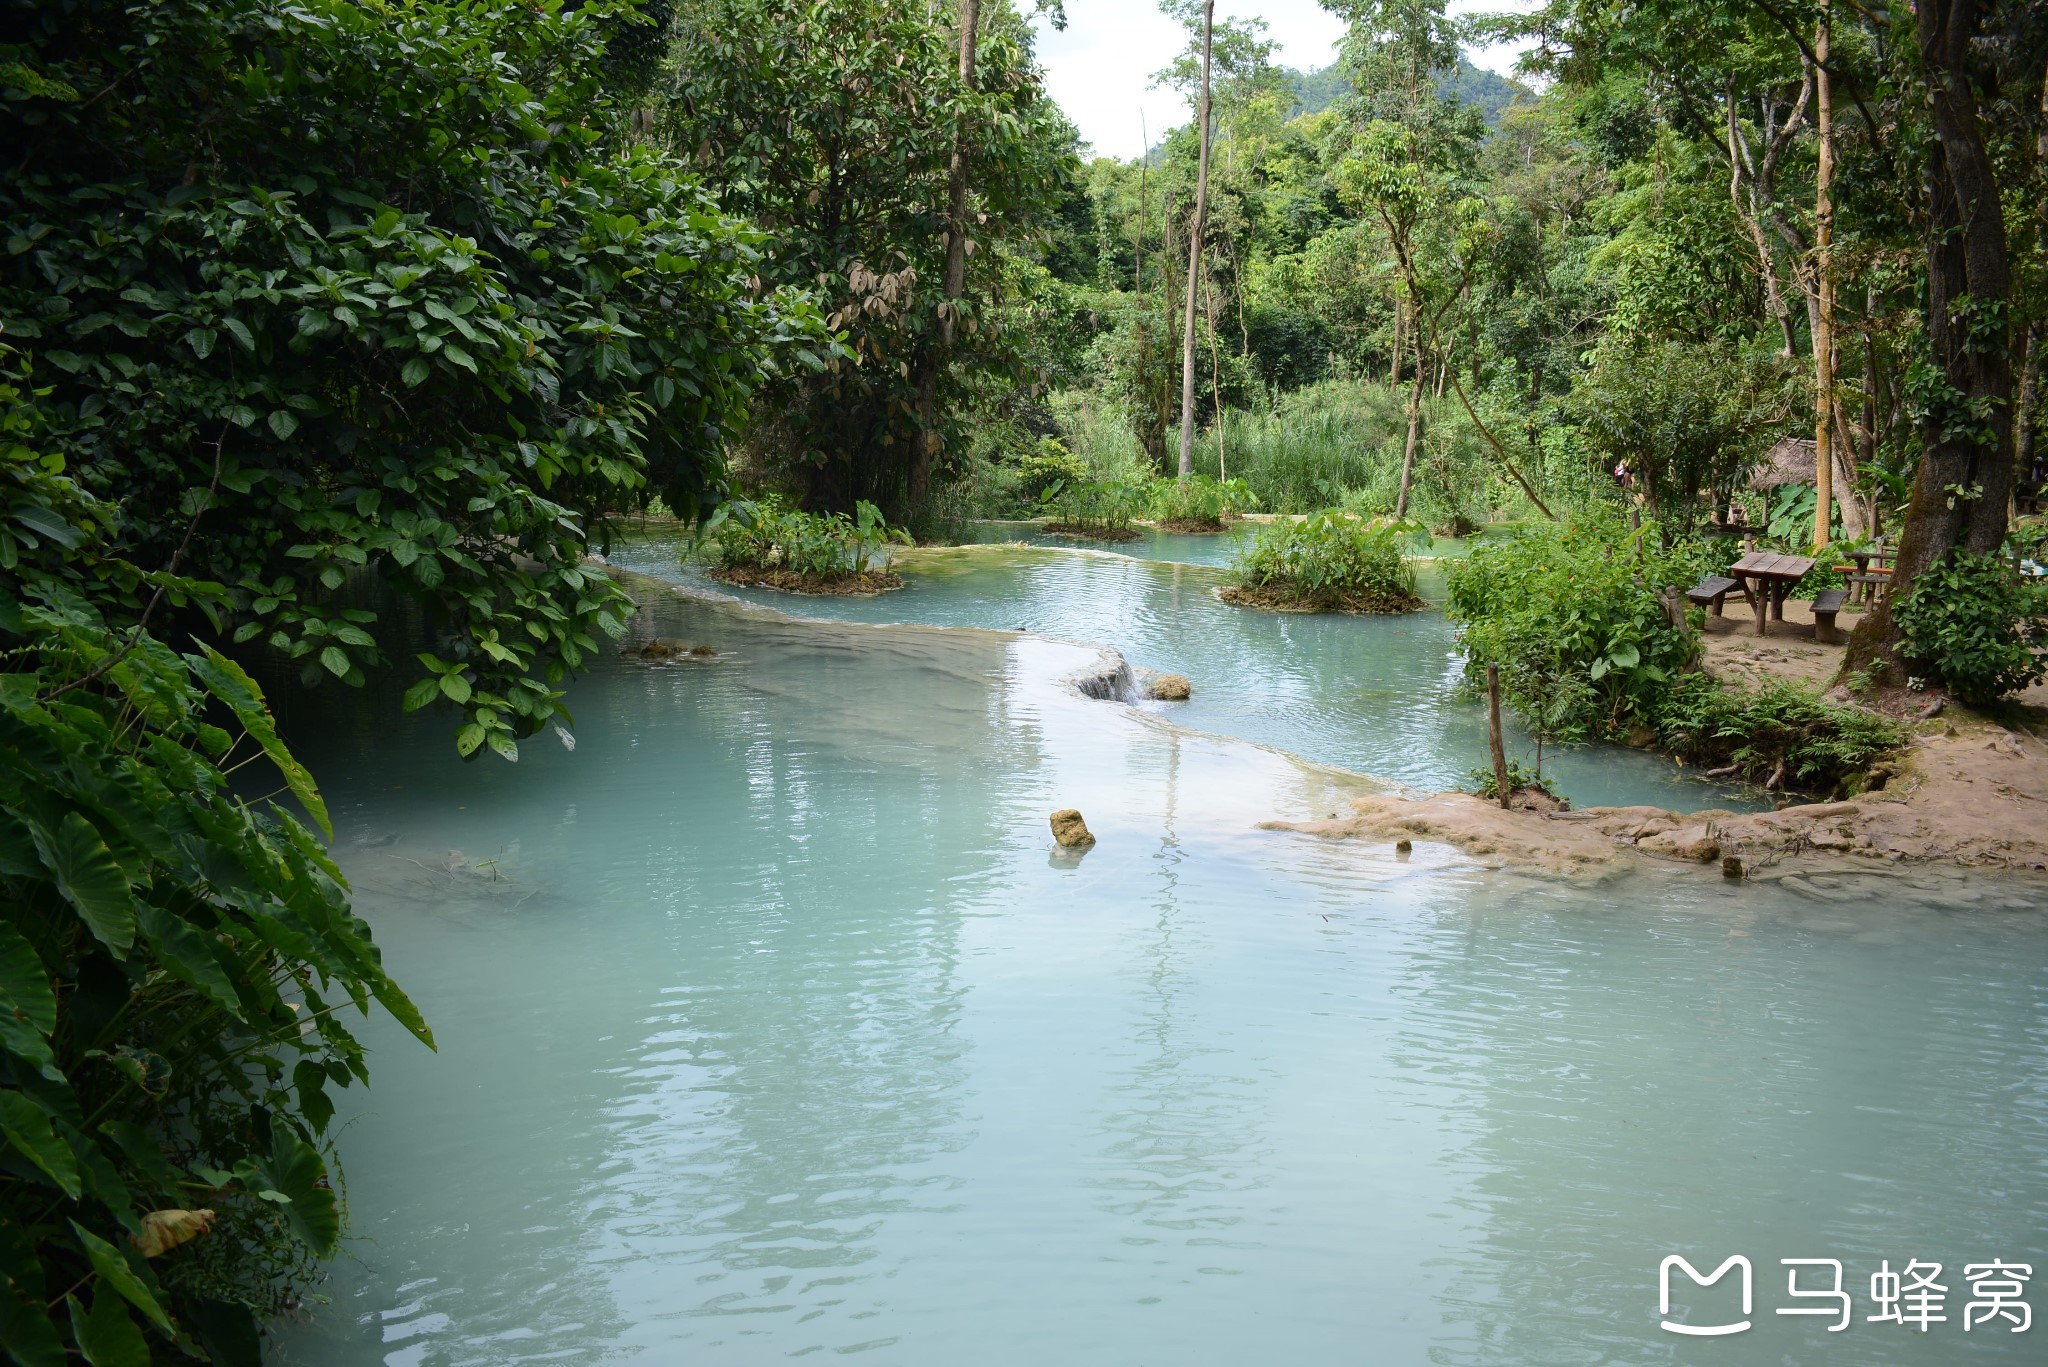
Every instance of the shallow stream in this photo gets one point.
(770, 1026)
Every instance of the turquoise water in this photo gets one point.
(1375, 695)
(771, 1027)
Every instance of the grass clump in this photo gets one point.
(1327, 562)
(769, 544)
(1199, 503)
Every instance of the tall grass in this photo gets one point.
(1318, 445)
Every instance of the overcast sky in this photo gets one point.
(1100, 69)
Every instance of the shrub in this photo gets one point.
(1571, 613)
(1094, 506)
(1200, 499)
(1328, 561)
(1484, 783)
(769, 535)
(1976, 622)
(1784, 735)
(175, 957)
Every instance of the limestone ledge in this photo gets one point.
(1969, 792)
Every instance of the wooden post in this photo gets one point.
(1500, 754)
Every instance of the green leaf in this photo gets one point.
(309, 1080)
(29, 1131)
(415, 372)
(89, 879)
(201, 341)
(422, 693)
(188, 953)
(28, 1006)
(114, 1270)
(240, 331)
(29, 1336)
(505, 746)
(294, 1168)
(228, 682)
(455, 688)
(336, 660)
(284, 422)
(106, 1336)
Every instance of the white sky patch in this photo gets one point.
(1100, 69)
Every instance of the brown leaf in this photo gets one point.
(164, 1230)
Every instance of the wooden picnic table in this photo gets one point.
(1767, 579)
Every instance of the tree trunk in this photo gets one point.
(1493, 741)
(1824, 302)
(1774, 298)
(2023, 409)
(1961, 492)
(1138, 248)
(1201, 216)
(1215, 374)
(1414, 431)
(955, 284)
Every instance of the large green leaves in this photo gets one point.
(28, 1129)
(88, 877)
(293, 1170)
(231, 684)
(117, 1275)
(28, 1008)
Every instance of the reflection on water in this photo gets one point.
(769, 1029)
(1375, 695)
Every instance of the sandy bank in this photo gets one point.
(1969, 791)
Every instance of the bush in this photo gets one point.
(1198, 499)
(175, 957)
(1485, 783)
(1328, 561)
(1094, 507)
(770, 535)
(1783, 735)
(1978, 624)
(1571, 613)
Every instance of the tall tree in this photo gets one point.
(1963, 388)
(1196, 228)
(835, 125)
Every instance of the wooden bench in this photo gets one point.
(1710, 592)
(1826, 604)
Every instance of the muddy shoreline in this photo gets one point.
(1969, 792)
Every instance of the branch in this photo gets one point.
(1500, 450)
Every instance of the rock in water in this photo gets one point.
(1069, 829)
(1170, 688)
(664, 648)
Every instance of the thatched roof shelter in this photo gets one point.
(1791, 461)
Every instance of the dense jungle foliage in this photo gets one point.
(306, 298)
(296, 296)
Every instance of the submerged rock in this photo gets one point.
(1069, 829)
(661, 648)
(1169, 688)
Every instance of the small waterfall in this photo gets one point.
(1108, 679)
